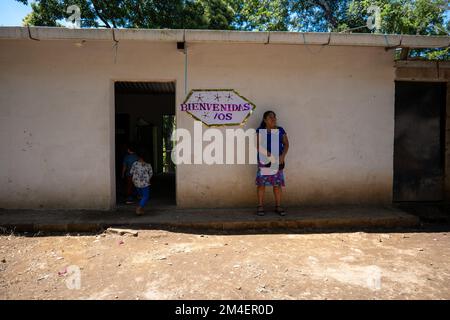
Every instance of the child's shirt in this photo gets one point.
(141, 173)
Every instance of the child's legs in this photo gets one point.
(145, 193)
(260, 190)
(277, 194)
(138, 192)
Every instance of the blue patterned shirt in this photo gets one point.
(141, 173)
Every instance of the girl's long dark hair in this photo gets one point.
(265, 115)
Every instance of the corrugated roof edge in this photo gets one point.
(263, 37)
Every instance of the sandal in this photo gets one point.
(260, 211)
(139, 211)
(280, 211)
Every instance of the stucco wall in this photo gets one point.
(57, 114)
(57, 117)
(336, 104)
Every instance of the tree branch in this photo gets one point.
(97, 12)
(328, 14)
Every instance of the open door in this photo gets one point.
(419, 143)
(145, 119)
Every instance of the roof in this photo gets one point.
(262, 37)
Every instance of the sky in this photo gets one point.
(12, 12)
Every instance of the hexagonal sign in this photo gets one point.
(218, 107)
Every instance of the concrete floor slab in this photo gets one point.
(335, 217)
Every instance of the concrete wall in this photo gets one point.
(57, 119)
(336, 104)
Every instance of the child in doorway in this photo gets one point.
(141, 172)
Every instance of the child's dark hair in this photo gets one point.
(142, 154)
(265, 115)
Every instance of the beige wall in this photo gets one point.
(336, 104)
(57, 114)
(57, 117)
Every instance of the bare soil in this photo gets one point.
(170, 265)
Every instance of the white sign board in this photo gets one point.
(218, 107)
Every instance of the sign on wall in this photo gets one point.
(218, 107)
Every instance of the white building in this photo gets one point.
(342, 99)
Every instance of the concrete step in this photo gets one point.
(323, 217)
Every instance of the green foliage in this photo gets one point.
(175, 14)
(401, 16)
(261, 15)
(318, 15)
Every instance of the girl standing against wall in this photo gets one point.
(265, 176)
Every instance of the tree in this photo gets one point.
(398, 16)
(318, 15)
(423, 17)
(176, 14)
(261, 15)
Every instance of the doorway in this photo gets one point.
(144, 120)
(419, 142)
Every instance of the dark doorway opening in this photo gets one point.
(419, 143)
(145, 118)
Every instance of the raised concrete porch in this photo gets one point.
(302, 218)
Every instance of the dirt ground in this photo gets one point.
(170, 265)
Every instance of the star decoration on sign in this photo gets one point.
(217, 97)
(199, 98)
(228, 97)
